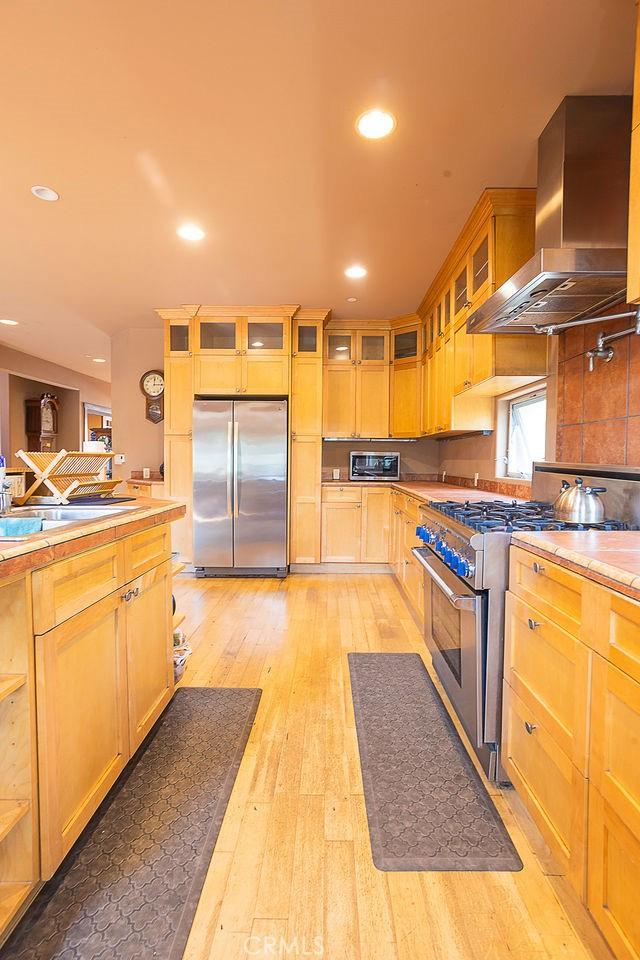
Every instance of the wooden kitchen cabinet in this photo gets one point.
(178, 485)
(550, 588)
(149, 649)
(356, 384)
(633, 249)
(178, 395)
(306, 480)
(376, 513)
(242, 354)
(83, 734)
(406, 381)
(306, 396)
(552, 787)
(341, 531)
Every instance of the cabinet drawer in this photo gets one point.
(550, 785)
(548, 587)
(614, 877)
(409, 537)
(615, 737)
(342, 494)
(65, 588)
(550, 671)
(146, 550)
(611, 627)
(412, 508)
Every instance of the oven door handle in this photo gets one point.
(459, 601)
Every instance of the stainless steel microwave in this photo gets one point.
(365, 465)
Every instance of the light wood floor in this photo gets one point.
(293, 862)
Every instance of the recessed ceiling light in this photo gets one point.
(355, 272)
(98, 359)
(45, 193)
(352, 299)
(375, 124)
(190, 231)
(9, 323)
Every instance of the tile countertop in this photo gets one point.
(40, 549)
(610, 557)
(426, 491)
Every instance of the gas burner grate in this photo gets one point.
(500, 516)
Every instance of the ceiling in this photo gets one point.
(240, 116)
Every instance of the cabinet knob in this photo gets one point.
(293, 436)
(238, 352)
(537, 567)
(530, 727)
(237, 389)
(353, 362)
(243, 352)
(294, 354)
(532, 624)
(467, 383)
(358, 361)
(358, 505)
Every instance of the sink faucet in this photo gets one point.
(5, 497)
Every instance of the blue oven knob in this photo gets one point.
(464, 567)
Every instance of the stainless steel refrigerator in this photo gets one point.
(240, 487)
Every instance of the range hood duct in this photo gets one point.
(582, 208)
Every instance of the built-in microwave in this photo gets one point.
(365, 465)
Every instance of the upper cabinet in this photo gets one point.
(356, 383)
(406, 375)
(241, 354)
(496, 240)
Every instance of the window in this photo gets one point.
(526, 437)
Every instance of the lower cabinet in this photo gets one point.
(306, 480)
(355, 524)
(103, 678)
(149, 645)
(407, 570)
(83, 727)
(571, 651)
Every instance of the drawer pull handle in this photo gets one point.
(130, 594)
(533, 623)
(537, 567)
(530, 727)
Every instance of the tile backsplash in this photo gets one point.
(599, 411)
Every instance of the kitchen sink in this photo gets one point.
(56, 517)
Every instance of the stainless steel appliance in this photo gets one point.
(365, 465)
(582, 208)
(465, 559)
(240, 487)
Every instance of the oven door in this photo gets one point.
(455, 618)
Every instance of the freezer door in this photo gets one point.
(260, 445)
(213, 483)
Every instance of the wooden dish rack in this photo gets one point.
(67, 475)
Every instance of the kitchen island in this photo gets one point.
(85, 671)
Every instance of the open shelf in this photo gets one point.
(10, 682)
(11, 812)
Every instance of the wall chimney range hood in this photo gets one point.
(582, 205)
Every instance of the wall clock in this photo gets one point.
(152, 386)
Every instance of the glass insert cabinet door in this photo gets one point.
(460, 291)
(405, 344)
(179, 337)
(340, 347)
(373, 348)
(219, 335)
(307, 339)
(266, 335)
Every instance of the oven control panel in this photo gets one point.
(452, 549)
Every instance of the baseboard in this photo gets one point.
(340, 568)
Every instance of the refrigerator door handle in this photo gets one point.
(236, 505)
(230, 468)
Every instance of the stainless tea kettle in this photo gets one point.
(579, 504)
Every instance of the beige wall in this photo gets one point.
(70, 422)
(77, 387)
(415, 458)
(133, 352)
(466, 456)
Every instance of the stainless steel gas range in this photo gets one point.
(466, 571)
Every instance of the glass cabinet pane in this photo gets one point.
(339, 346)
(307, 339)
(405, 345)
(480, 265)
(439, 319)
(460, 291)
(447, 308)
(265, 336)
(179, 338)
(217, 336)
(372, 347)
